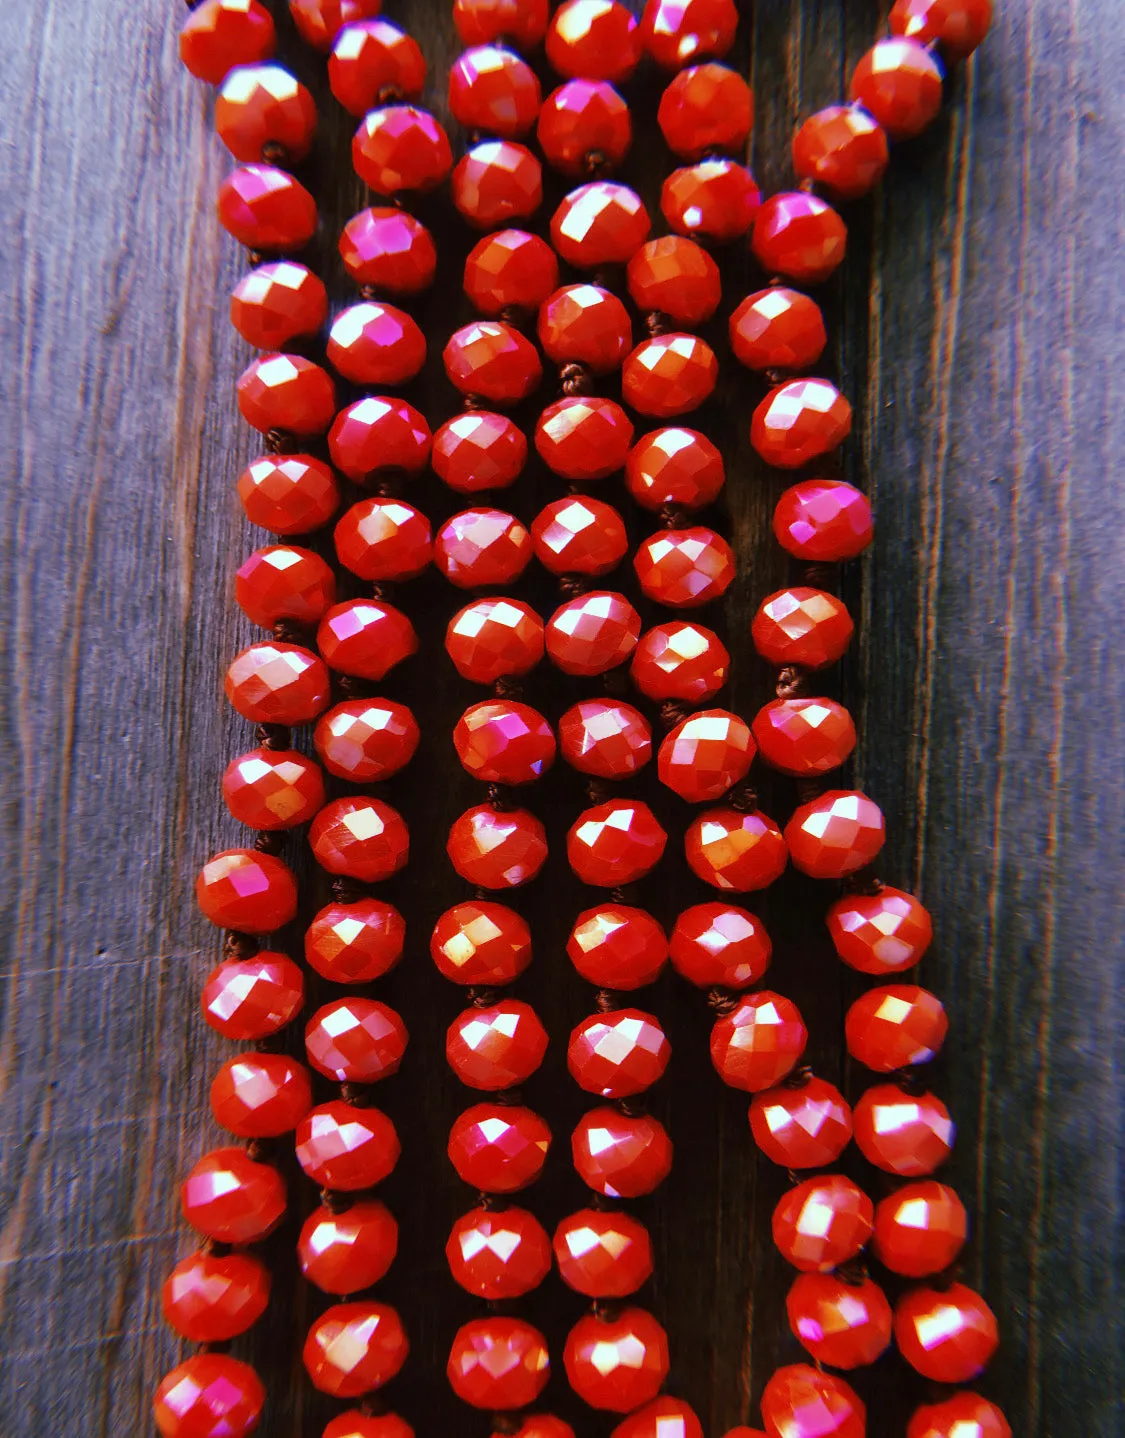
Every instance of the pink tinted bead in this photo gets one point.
(209, 1395)
(706, 107)
(841, 148)
(355, 1040)
(674, 466)
(594, 40)
(593, 633)
(585, 324)
(601, 223)
(354, 1348)
(676, 277)
(493, 361)
(680, 661)
(880, 933)
(822, 1223)
(340, 1145)
(683, 568)
(893, 1027)
(498, 1148)
(319, 21)
(492, 89)
(836, 834)
(621, 1155)
(478, 451)
(801, 626)
(232, 1198)
(705, 754)
(615, 843)
(736, 851)
(366, 740)
(618, 1054)
(482, 548)
(577, 535)
(758, 1042)
(777, 328)
(669, 375)
(498, 1046)
(494, 639)
(284, 582)
(799, 421)
(498, 1363)
(583, 438)
(843, 1324)
(958, 26)
(719, 946)
(679, 32)
(288, 493)
(584, 118)
(220, 34)
(498, 1255)
(965, 1415)
(389, 250)
(481, 22)
(805, 1127)
(400, 148)
(288, 393)
(497, 182)
(384, 539)
(373, 58)
(605, 737)
(377, 435)
(946, 1334)
(898, 81)
(903, 1133)
(265, 208)
(804, 736)
(801, 1402)
(275, 683)
(503, 742)
(210, 1298)
(713, 200)
(273, 789)
(277, 303)
(497, 850)
(800, 236)
(252, 998)
(263, 105)
(664, 1417)
(510, 270)
(823, 520)
(480, 943)
(617, 947)
(617, 1363)
(355, 943)
(365, 638)
(376, 344)
(260, 1095)
(360, 837)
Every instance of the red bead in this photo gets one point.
(498, 1363)
(662, 1418)
(800, 421)
(288, 393)
(675, 33)
(680, 661)
(804, 736)
(618, 1363)
(355, 1040)
(965, 1415)
(705, 754)
(758, 1042)
(805, 1127)
(706, 107)
(493, 639)
(366, 638)
(373, 58)
(510, 269)
(400, 148)
(714, 200)
(801, 626)
(603, 1255)
(343, 1253)
(288, 494)
(496, 182)
(499, 1148)
(822, 1223)
(684, 568)
(585, 324)
(265, 208)
(843, 1324)
(284, 582)
(621, 1155)
(477, 451)
(594, 40)
(496, 1047)
(841, 148)
(719, 946)
(890, 1028)
(355, 943)
(480, 22)
(920, 1229)
(835, 834)
(880, 933)
(498, 1255)
(903, 1133)
(605, 737)
(263, 105)
(389, 250)
(492, 89)
(777, 328)
(273, 788)
(542, 1425)
(598, 224)
(576, 535)
(341, 1146)
(378, 434)
(318, 22)
(360, 837)
(729, 849)
(250, 892)
(354, 1348)
(366, 740)
(948, 1335)
(220, 34)
(898, 82)
(615, 843)
(618, 1054)
(209, 1396)
(593, 633)
(503, 742)
(584, 118)
(823, 521)
(802, 1402)
(384, 539)
(582, 438)
(958, 26)
(481, 548)
(260, 1095)
(496, 849)
(669, 375)
(479, 943)
(232, 1198)
(493, 361)
(376, 344)
(676, 277)
(208, 1298)
(617, 947)
(277, 303)
(800, 236)
(252, 998)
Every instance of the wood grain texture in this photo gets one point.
(977, 330)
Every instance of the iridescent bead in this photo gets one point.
(958, 26)
(491, 360)
(211, 1298)
(583, 438)
(366, 740)
(823, 521)
(355, 1040)
(605, 737)
(664, 1417)
(835, 834)
(232, 1198)
(503, 742)
(584, 118)
(342, 1146)
(601, 223)
(355, 943)
(478, 450)
(281, 581)
(880, 933)
(499, 1148)
(843, 1324)
(277, 303)
(841, 148)
(492, 89)
(263, 105)
(593, 633)
(496, 849)
(497, 182)
(898, 81)
(482, 22)
(719, 946)
(318, 22)
(801, 1402)
(676, 33)
(603, 1255)
(804, 1127)
(669, 375)
(273, 789)
(373, 343)
(804, 736)
(594, 39)
(946, 1334)
(822, 1223)
(621, 1155)
(354, 1348)
(680, 661)
(802, 626)
(366, 638)
(676, 277)
(920, 1229)
(615, 843)
(713, 200)
(585, 324)
(360, 837)
(674, 466)
(577, 535)
(258, 1095)
(498, 1255)
(288, 494)
(498, 1363)
(736, 851)
(343, 1253)
(800, 421)
(482, 549)
(480, 943)
(903, 1133)
(379, 434)
(209, 1395)
(286, 392)
(389, 250)
(617, 1363)
(492, 639)
(244, 890)
(510, 269)
(496, 1046)
(684, 568)
(370, 59)
(265, 208)
(617, 947)
(705, 108)
(220, 34)
(965, 1415)
(799, 236)
(777, 329)
(893, 1027)
(758, 1042)
(400, 148)
(617, 1054)
(705, 754)
(252, 998)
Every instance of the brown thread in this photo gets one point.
(605, 1001)
(274, 736)
(674, 712)
(743, 799)
(240, 946)
(863, 881)
(275, 153)
(791, 682)
(576, 379)
(657, 323)
(269, 841)
(723, 1001)
(501, 798)
(280, 441)
(348, 891)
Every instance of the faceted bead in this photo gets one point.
(389, 250)
(801, 626)
(400, 148)
(680, 661)
(758, 1042)
(273, 788)
(598, 224)
(210, 1395)
(805, 1127)
(288, 493)
(618, 1054)
(719, 946)
(585, 324)
(801, 1402)
(504, 742)
(262, 105)
(615, 843)
(898, 82)
(729, 849)
(835, 834)
(343, 1253)
(584, 118)
(252, 998)
(903, 1133)
(354, 1348)
(284, 582)
(376, 344)
(592, 633)
(706, 107)
(843, 1324)
(260, 1095)
(880, 933)
(360, 837)
(378, 434)
(348, 1148)
(493, 361)
(373, 58)
(496, 1047)
(355, 1040)
(804, 736)
(366, 740)
(893, 1027)
(800, 421)
(541, 1425)
(705, 754)
(582, 438)
(220, 34)
(232, 1198)
(479, 450)
(675, 33)
(481, 548)
(277, 303)
(247, 891)
(617, 947)
(958, 26)
(384, 539)
(288, 393)
(948, 1335)
(965, 1415)
(684, 568)
(319, 22)
(497, 849)
(605, 737)
(496, 182)
(481, 22)
(841, 148)
(498, 1255)
(799, 236)
(479, 943)
(715, 200)
(498, 1363)
(603, 1255)
(576, 535)
(920, 1229)
(777, 328)
(676, 277)
(593, 40)
(265, 208)
(492, 89)
(822, 1223)
(365, 638)
(621, 1155)
(356, 1424)
(669, 375)
(499, 1148)
(355, 943)
(617, 1363)
(493, 639)
(664, 1417)
(209, 1298)
(510, 269)
(823, 521)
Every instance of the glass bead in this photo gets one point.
(247, 891)
(843, 149)
(577, 535)
(232, 1198)
(288, 494)
(478, 450)
(836, 834)
(209, 1395)
(758, 1042)
(822, 1223)
(958, 26)
(892, 1027)
(355, 943)
(356, 1424)
(621, 1155)
(366, 740)
(510, 269)
(497, 182)
(401, 149)
(804, 1127)
(920, 1229)
(903, 1133)
(288, 393)
(898, 82)
(593, 633)
(583, 438)
(503, 742)
(618, 1054)
(498, 1363)
(365, 638)
(799, 421)
(482, 548)
(277, 303)
(493, 639)
(676, 33)
(389, 250)
(617, 1363)
(355, 1040)
(733, 850)
(598, 224)
(719, 946)
(800, 236)
(965, 1415)
(801, 1402)
(714, 200)
(705, 108)
(684, 568)
(841, 1324)
(266, 209)
(669, 375)
(384, 539)
(481, 22)
(376, 344)
(344, 1147)
(378, 435)
(220, 34)
(804, 737)
(585, 324)
(664, 1417)
(496, 849)
(319, 22)
(491, 360)
(481, 943)
(499, 1148)
(615, 843)
(263, 105)
(344, 1253)
(253, 998)
(680, 661)
(580, 119)
(496, 1047)
(948, 1334)
(372, 59)
(603, 1255)
(605, 737)
(354, 1348)
(260, 1095)
(495, 1256)
(281, 581)
(801, 626)
(593, 40)
(777, 329)
(617, 947)
(676, 277)
(823, 521)
(492, 89)
(705, 755)
(210, 1297)
(881, 933)
(273, 789)
(360, 837)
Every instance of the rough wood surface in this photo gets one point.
(978, 331)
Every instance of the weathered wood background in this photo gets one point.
(977, 329)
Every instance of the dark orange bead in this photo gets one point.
(577, 535)
(594, 40)
(354, 1348)
(366, 740)
(920, 1229)
(492, 639)
(737, 851)
(319, 22)
(399, 148)
(835, 834)
(676, 277)
(210, 1298)
(903, 1133)
(585, 324)
(265, 208)
(492, 89)
(389, 250)
(288, 493)
(496, 849)
(664, 1417)
(893, 1027)
(263, 105)
(705, 754)
(480, 943)
(899, 83)
(503, 742)
(822, 1223)
(805, 1127)
(802, 626)
(366, 638)
(719, 946)
(800, 236)
(384, 539)
(355, 943)
(498, 1255)
(288, 393)
(360, 837)
(372, 58)
(674, 466)
(232, 1198)
(343, 1253)
(823, 521)
(800, 421)
(598, 224)
(480, 22)
(277, 303)
(618, 1363)
(499, 1148)
(758, 1042)
(284, 582)
(273, 788)
(220, 34)
(583, 438)
(777, 328)
(801, 1402)
(680, 661)
(618, 1054)
(615, 843)
(713, 200)
(376, 344)
(477, 451)
(958, 26)
(946, 1334)
(593, 633)
(252, 998)
(355, 1040)
(706, 107)
(342, 1146)
(617, 947)
(842, 1324)
(379, 434)
(584, 118)
(510, 269)
(247, 891)
(261, 1095)
(965, 1415)
(804, 736)
(603, 1255)
(492, 360)
(669, 375)
(496, 182)
(621, 1155)
(683, 568)
(675, 33)
(482, 548)
(841, 148)
(496, 1047)
(498, 1363)
(277, 684)
(605, 737)
(210, 1395)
